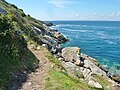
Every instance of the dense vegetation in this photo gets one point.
(15, 33)
(13, 50)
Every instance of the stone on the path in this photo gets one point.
(38, 47)
(29, 83)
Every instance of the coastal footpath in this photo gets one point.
(31, 57)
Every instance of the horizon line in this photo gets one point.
(84, 20)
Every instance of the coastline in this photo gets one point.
(95, 61)
(99, 46)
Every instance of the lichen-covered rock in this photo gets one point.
(86, 57)
(94, 84)
(94, 69)
(73, 70)
(71, 54)
(84, 67)
(86, 72)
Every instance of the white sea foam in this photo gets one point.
(110, 42)
(67, 29)
(86, 26)
(101, 34)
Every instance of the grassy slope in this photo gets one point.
(58, 79)
(103, 81)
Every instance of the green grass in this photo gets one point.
(103, 81)
(51, 58)
(60, 81)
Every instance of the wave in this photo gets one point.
(101, 33)
(84, 26)
(67, 29)
(104, 35)
(110, 42)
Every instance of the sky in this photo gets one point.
(71, 9)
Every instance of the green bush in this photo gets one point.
(14, 6)
(12, 47)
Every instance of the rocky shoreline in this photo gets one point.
(83, 66)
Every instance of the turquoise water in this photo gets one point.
(98, 39)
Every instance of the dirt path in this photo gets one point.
(36, 79)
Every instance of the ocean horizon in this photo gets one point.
(98, 39)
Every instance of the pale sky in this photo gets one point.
(70, 9)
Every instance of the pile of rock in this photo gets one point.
(48, 38)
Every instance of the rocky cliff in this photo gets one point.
(85, 68)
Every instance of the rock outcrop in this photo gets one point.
(116, 78)
(72, 54)
(82, 66)
(48, 36)
(95, 84)
(49, 23)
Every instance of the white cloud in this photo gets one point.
(77, 15)
(115, 14)
(118, 14)
(60, 3)
(94, 16)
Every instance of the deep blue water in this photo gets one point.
(98, 39)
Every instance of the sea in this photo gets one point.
(98, 39)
